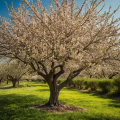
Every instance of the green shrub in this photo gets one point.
(93, 84)
(86, 85)
(105, 85)
(74, 83)
(70, 83)
(80, 83)
(117, 83)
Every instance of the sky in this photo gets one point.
(5, 13)
(16, 3)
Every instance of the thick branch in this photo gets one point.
(44, 68)
(70, 77)
(56, 76)
(42, 74)
(32, 65)
(9, 77)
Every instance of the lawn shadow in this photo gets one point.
(14, 106)
(17, 106)
(115, 103)
(6, 87)
(35, 84)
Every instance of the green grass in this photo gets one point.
(15, 103)
(5, 83)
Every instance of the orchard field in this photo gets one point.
(16, 103)
(61, 42)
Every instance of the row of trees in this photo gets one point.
(16, 70)
(64, 41)
(102, 71)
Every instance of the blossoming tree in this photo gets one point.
(64, 40)
(14, 70)
(102, 71)
(2, 73)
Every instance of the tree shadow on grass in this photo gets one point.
(115, 104)
(17, 106)
(41, 85)
(43, 90)
(9, 87)
(14, 106)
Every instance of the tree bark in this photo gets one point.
(53, 100)
(18, 82)
(112, 75)
(54, 93)
(1, 80)
(7, 81)
(14, 83)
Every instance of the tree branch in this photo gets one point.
(70, 77)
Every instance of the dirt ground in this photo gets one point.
(5, 86)
(58, 109)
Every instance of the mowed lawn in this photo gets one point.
(15, 103)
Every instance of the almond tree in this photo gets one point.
(102, 71)
(2, 73)
(64, 40)
(14, 70)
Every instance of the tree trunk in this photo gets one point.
(54, 93)
(1, 80)
(14, 83)
(112, 75)
(53, 100)
(18, 82)
(90, 76)
(7, 81)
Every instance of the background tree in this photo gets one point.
(14, 70)
(2, 73)
(102, 71)
(61, 41)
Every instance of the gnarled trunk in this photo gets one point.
(1, 80)
(53, 100)
(54, 93)
(7, 81)
(51, 79)
(18, 82)
(14, 83)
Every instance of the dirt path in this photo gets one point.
(5, 86)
